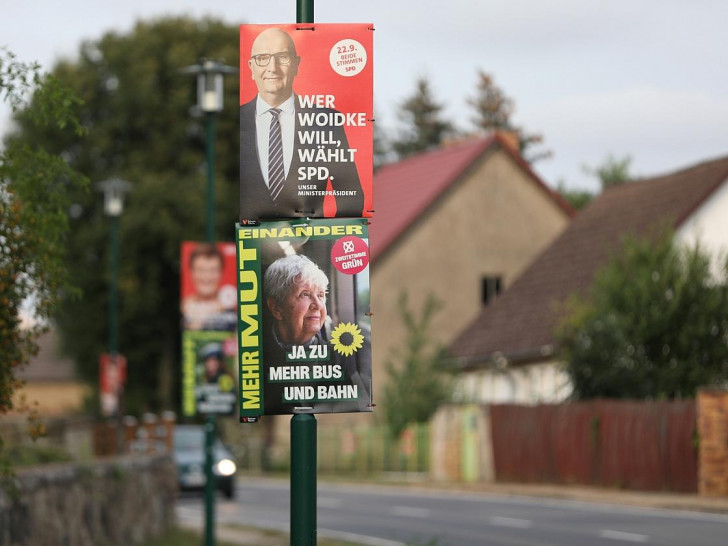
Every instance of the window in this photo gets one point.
(491, 287)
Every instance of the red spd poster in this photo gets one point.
(306, 114)
(209, 286)
(112, 376)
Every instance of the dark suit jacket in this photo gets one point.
(255, 199)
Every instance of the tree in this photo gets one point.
(34, 199)
(493, 111)
(381, 147)
(415, 385)
(578, 199)
(137, 111)
(654, 324)
(612, 172)
(425, 127)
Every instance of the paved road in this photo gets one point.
(393, 516)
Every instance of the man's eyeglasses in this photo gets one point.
(263, 59)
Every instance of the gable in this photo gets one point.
(520, 324)
(491, 222)
(407, 190)
(708, 226)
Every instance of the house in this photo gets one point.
(507, 353)
(51, 381)
(460, 222)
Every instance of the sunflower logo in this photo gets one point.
(225, 383)
(347, 338)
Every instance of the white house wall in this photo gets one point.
(708, 226)
(537, 383)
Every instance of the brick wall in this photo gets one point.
(713, 434)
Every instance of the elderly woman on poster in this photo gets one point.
(301, 364)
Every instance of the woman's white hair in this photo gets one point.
(285, 272)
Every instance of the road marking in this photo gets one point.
(358, 539)
(188, 512)
(409, 511)
(621, 535)
(594, 505)
(328, 502)
(515, 523)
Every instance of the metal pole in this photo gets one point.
(209, 481)
(304, 11)
(303, 480)
(114, 326)
(303, 430)
(113, 295)
(210, 194)
(210, 424)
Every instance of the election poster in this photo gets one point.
(112, 377)
(208, 380)
(306, 121)
(304, 328)
(209, 320)
(208, 286)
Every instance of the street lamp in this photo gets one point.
(114, 190)
(210, 74)
(210, 101)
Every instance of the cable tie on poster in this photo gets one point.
(369, 314)
(371, 405)
(371, 28)
(305, 28)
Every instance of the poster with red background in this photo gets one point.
(112, 377)
(333, 72)
(208, 286)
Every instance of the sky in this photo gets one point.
(646, 79)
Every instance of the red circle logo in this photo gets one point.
(350, 255)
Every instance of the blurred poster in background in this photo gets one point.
(112, 376)
(208, 380)
(209, 320)
(208, 286)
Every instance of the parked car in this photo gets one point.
(189, 455)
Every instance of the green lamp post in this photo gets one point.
(210, 75)
(114, 190)
(210, 96)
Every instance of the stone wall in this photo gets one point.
(120, 501)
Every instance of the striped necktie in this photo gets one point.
(276, 174)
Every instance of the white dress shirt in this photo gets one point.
(287, 119)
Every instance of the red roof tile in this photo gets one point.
(406, 189)
(519, 324)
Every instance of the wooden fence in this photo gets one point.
(633, 445)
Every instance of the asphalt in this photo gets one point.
(648, 499)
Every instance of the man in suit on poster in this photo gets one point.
(286, 161)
